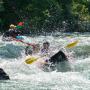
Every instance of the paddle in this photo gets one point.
(29, 44)
(72, 44)
(33, 59)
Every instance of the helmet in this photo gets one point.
(12, 26)
(46, 43)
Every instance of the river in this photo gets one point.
(29, 77)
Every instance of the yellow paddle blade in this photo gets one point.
(31, 60)
(72, 44)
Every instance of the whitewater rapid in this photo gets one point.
(29, 77)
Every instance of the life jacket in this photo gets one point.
(44, 51)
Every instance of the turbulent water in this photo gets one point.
(29, 77)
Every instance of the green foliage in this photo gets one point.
(80, 10)
(1, 6)
(45, 14)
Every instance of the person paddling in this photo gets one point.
(12, 32)
(45, 51)
(45, 48)
(29, 50)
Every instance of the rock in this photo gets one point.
(3, 75)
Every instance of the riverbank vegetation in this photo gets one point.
(46, 15)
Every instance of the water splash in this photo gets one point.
(29, 77)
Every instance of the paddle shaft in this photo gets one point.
(29, 44)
